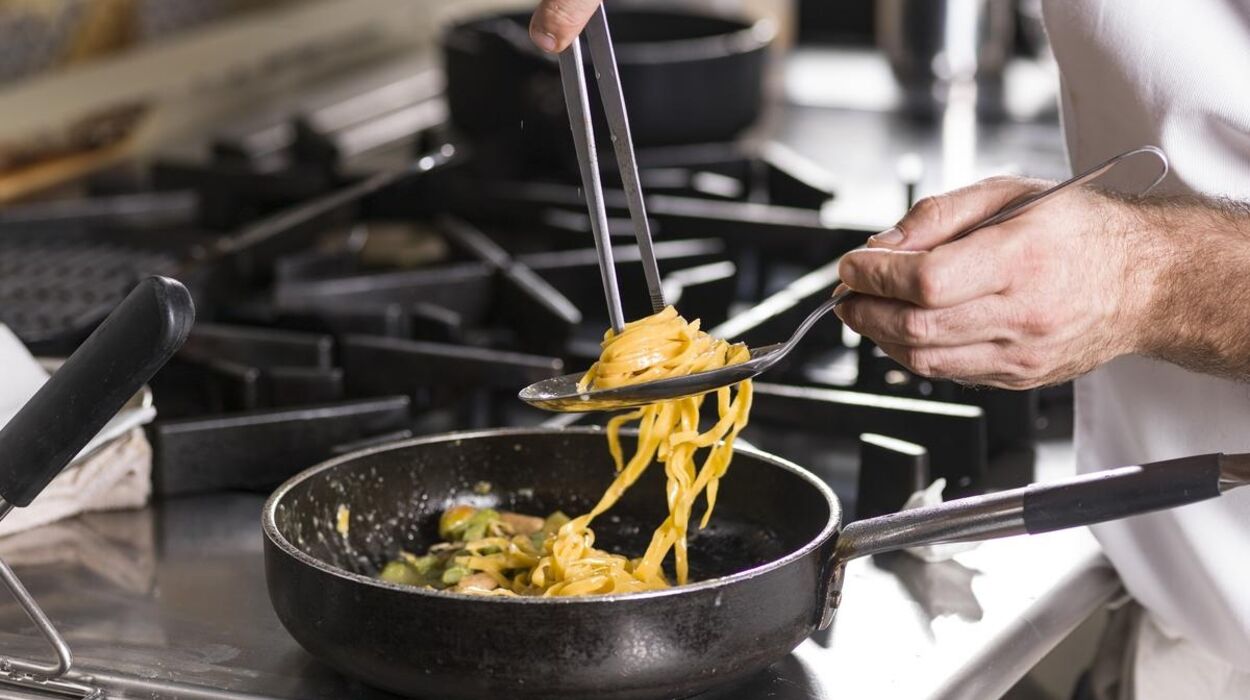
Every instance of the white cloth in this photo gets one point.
(1177, 75)
(1175, 668)
(114, 477)
(23, 376)
(112, 471)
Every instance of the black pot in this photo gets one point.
(769, 568)
(687, 78)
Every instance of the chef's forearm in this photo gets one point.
(1195, 252)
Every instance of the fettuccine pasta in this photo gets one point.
(559, 558)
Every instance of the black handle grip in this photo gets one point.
(113, 363)
(1119, 493)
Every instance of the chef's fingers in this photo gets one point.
(948, 275)
(556, 23)
(979, 363)
(936, 219)
(890, 321)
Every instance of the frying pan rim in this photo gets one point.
(270, 527)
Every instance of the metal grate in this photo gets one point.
(60, 284)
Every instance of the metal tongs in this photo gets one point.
(599, 41)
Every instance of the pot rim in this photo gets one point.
(274, 537)
(750, 35)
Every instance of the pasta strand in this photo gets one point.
(564, 561)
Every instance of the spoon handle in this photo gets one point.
(1023, 205)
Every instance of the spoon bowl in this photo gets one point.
(561, 394)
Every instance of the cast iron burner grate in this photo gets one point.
(56, 284)
(346, 308)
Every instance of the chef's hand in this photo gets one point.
(557, 22)
(1036, 300)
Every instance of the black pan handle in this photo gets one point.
(1082, 500)
(113, 363)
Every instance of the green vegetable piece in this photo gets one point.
(454, 521)
(453, 575)
(554, 522)
(400, 572)
(422, 565)
(476, 527)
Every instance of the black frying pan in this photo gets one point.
(770, 564)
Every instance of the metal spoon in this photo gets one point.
(561, 394)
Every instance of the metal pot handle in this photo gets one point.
(1082, 500)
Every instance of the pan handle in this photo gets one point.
(113, 363)
(1082, 500)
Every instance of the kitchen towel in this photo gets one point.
(112, 471)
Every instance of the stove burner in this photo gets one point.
(422, 303)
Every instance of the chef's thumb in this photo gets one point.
(935, 220)
(557, 22)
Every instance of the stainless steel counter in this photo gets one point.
(170, 601)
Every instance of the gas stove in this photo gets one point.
(370, 277)
(424, 303)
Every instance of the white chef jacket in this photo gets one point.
(1174, 73)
